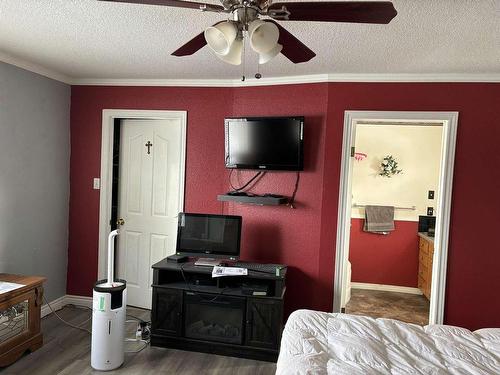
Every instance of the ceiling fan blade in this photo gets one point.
(293, 49)
(194, 45)
(174, 3)
(338, 11)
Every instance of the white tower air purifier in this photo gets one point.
(108, 317)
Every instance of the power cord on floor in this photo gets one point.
(136, 319)
(65, 322)
(79, 306)
(144, 332)
(146, 343)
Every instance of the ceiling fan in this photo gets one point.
(267, 37)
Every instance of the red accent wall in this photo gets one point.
(305, 238)
(206, 109)
(281, 234)
(384, 259)
(474, 252)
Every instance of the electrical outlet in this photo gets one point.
(431, 194)
(430, 211)
(97, 183)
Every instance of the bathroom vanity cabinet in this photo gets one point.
(425, 259)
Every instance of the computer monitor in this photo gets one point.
(215, 236)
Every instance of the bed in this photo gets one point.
(322, 343)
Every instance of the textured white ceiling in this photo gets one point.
(91, 39)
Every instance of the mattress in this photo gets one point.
(321, 343)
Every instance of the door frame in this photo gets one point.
(450, 123)
(108, 118)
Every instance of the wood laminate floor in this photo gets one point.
(66, 351)
(409, 308)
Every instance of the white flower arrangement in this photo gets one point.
(389, 167)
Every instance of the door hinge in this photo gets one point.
(353, 151)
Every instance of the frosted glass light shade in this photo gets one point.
(263, 36)
(233, 57)
(220, 37)
(269, 55)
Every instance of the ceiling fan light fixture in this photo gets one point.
(269, 55)
(220, 37)
(233, 57)
(263, 36)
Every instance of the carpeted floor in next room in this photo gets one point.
(409, 308)
(66, 351)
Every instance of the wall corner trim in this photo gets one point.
(34, 68)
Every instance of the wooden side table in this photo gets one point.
(20, 317)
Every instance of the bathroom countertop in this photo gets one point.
(426, 237)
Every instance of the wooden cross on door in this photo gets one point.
(148, 145)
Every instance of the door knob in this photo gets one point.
(120, 221)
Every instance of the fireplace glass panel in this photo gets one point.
(214, 318)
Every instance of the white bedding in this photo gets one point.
(321, 343)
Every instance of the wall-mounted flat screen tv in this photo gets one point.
(265, 143)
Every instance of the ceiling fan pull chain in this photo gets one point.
(244, 60)
(258, 75)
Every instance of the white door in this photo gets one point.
(149, 200)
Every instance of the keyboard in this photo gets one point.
(259, 267)
(207, 262)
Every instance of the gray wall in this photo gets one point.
(34, 176)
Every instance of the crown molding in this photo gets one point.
(266, 81)
(34, 68)
(153, 82)
(416, 77)
(291, 80)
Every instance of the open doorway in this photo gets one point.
(394, 210)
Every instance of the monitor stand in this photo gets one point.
(207, 262)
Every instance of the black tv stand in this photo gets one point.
(239, 316)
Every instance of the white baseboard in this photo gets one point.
(72, 299)
(56, 304)
(386, 288)
(68, 299)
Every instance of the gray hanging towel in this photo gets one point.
(379, 219)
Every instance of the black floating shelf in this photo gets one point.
(255, 199)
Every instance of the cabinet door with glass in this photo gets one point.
(167, 311)
(264, 322)
(20, 325)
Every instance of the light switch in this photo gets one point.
(97, 183)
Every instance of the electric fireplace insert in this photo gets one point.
(214, 318)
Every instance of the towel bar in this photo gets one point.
(412, 208)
